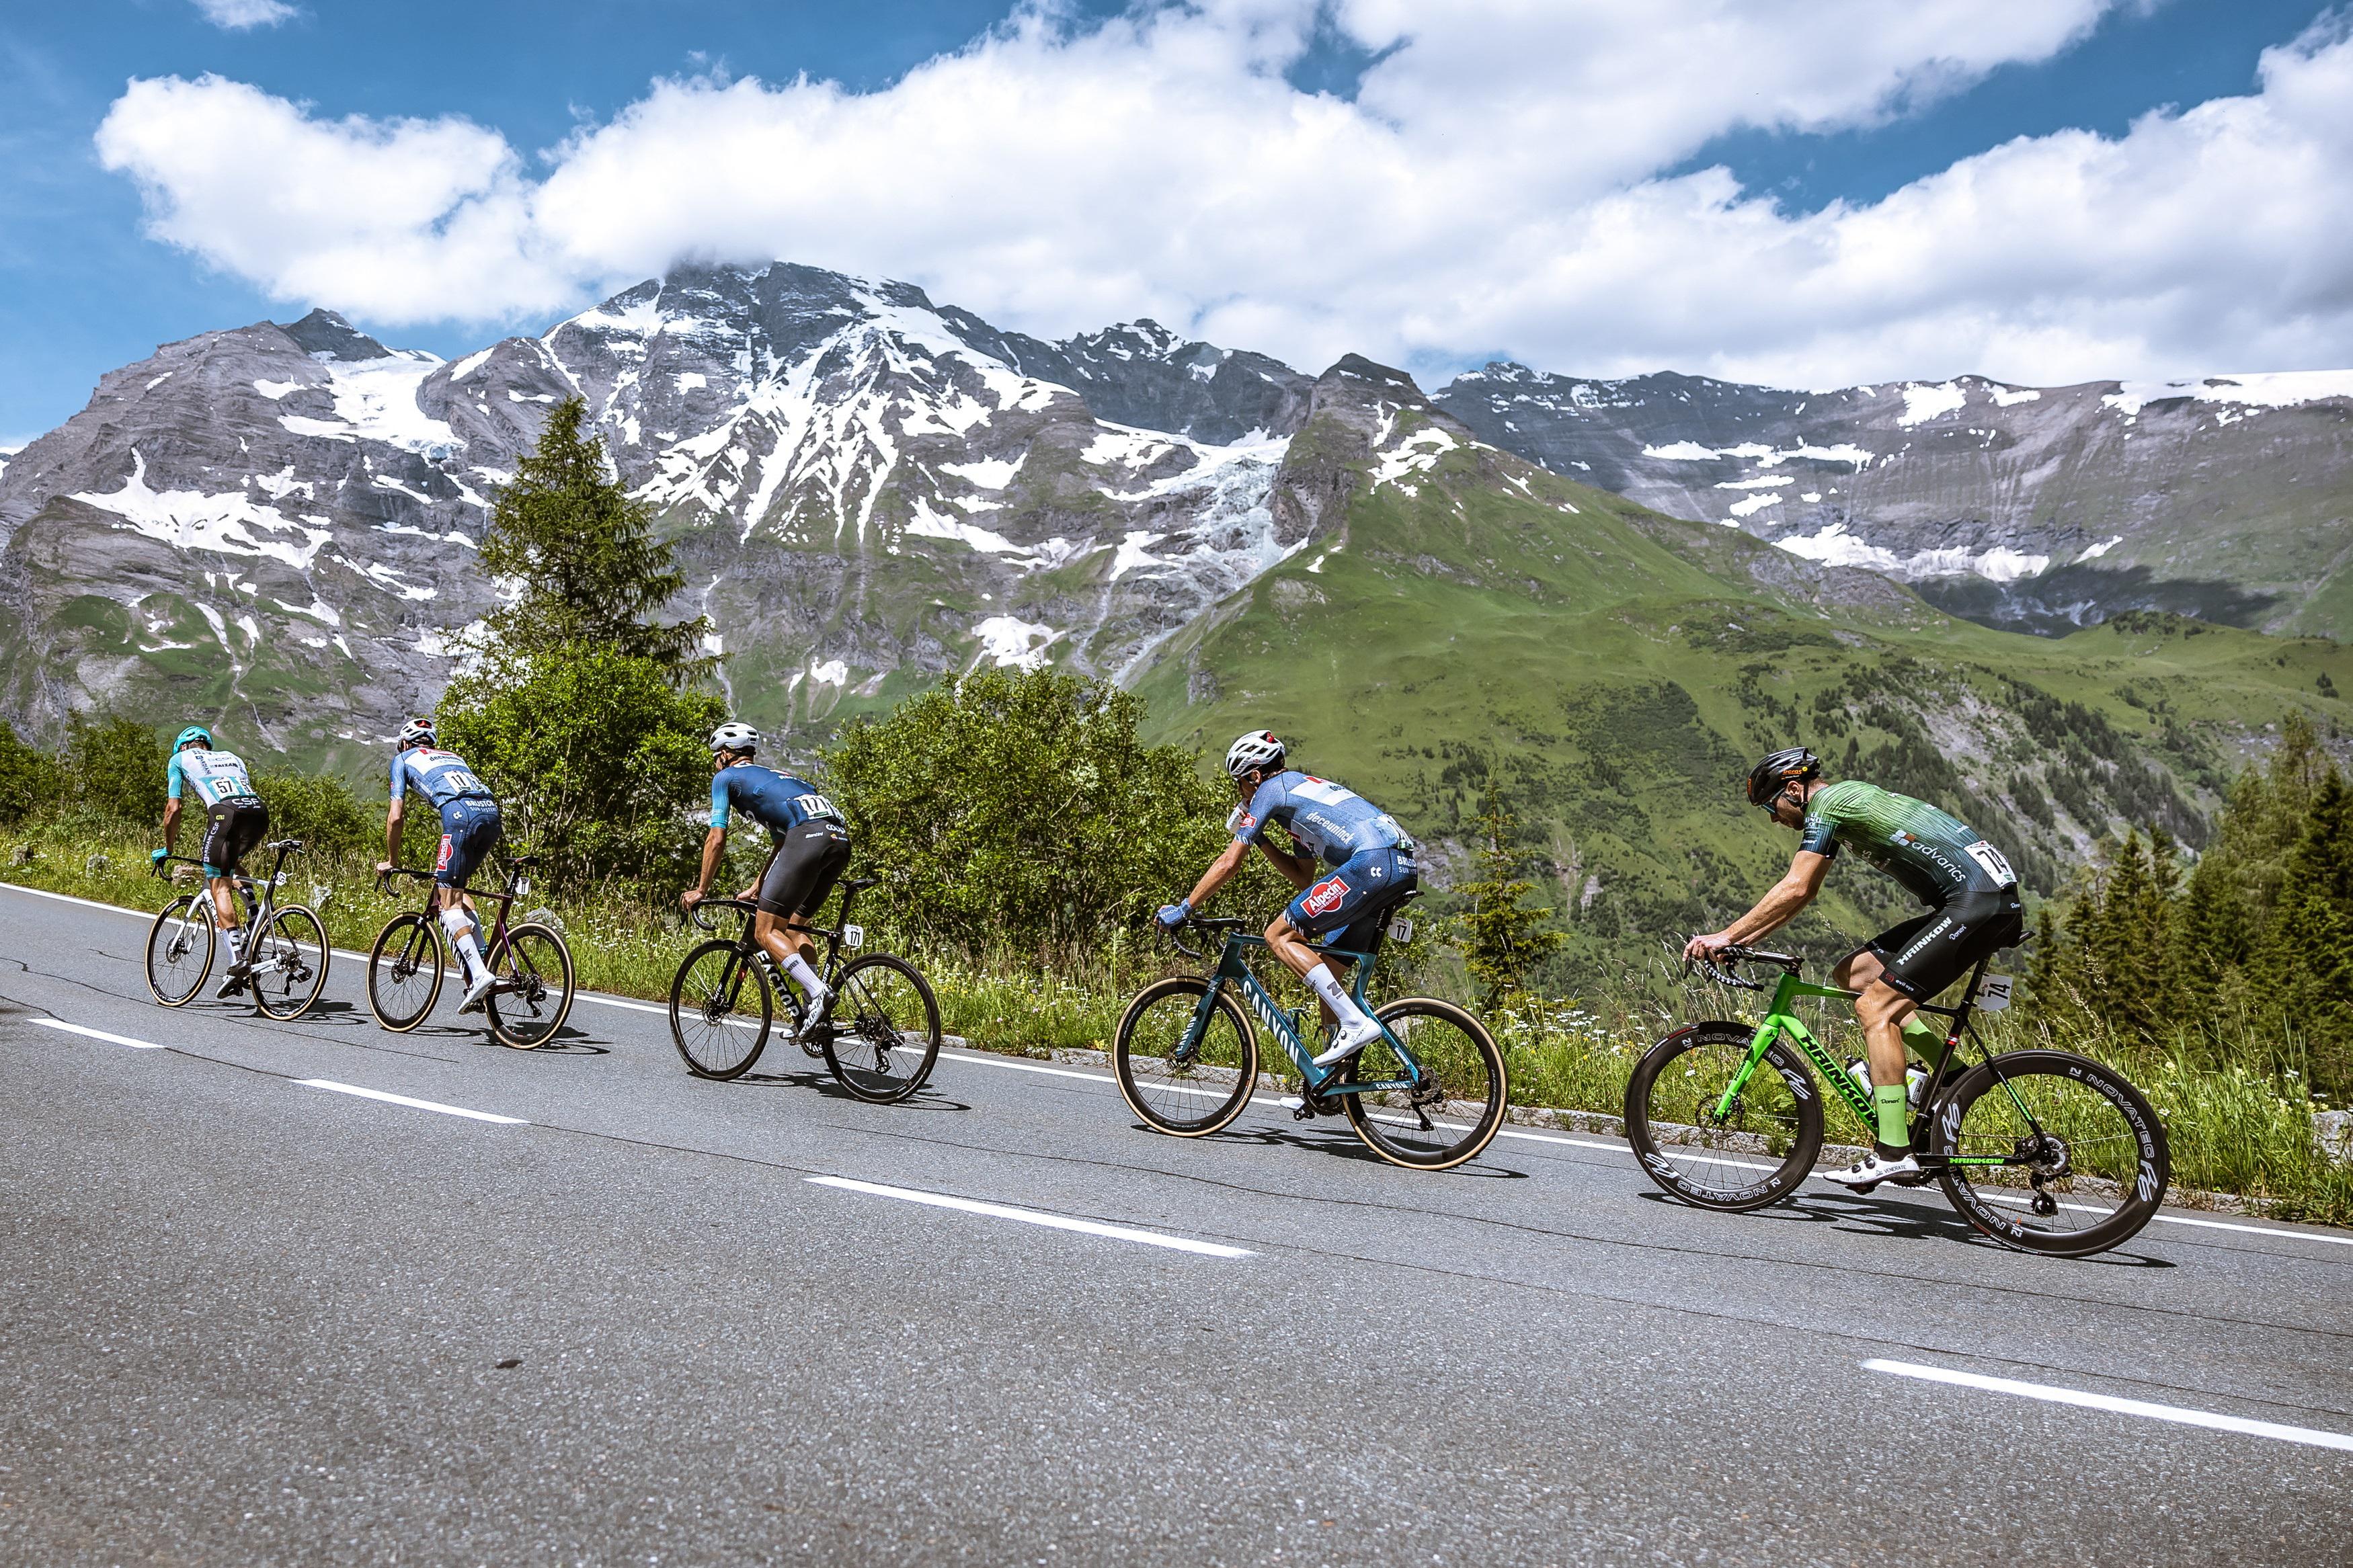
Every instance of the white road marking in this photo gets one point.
(98, 1035)
(2180, 1415)
(986, 1060)
(328, 1083)
(1036, 1216)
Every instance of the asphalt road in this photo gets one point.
(249, 1316)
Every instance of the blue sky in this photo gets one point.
(84, 286)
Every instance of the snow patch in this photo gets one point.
(1418, 453)
(2093, 552)
(190, 519)
(986, 473)
(2271, 389)
(1766, 482)
(1834, 546)
(274, 390)
(1922, 403)
(1008, 642)
(2004, 396)
(1754, 504)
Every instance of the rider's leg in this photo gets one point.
(465, 935)
(1922, 1038)
(1882, 1010)
(1290, 944)
(790, 944)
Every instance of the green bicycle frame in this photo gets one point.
(1781, 1022)
(1232, 970)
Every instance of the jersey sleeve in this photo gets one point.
(171, 777)
(1251, 824)
(400, 776)
(719, 799)
(1820, 836)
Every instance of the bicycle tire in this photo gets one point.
(715, 1006)
(870, 1052)
(523, 1019)
(1471, 1086)
(2111, 1184)
(288, 962)
(1715, 1164)
(1159, 1092)
(172, 928)
(396, 1003)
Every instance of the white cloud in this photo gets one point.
(1495, 184)
(238, 14)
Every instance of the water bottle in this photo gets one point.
(1915, 1080)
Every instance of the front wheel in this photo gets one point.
(1181, 1070)
(2051, 1152)
(534, 995)
(719, 1010)
(404, 972)
(288, 962)
(1447, 1093)
(180, 949)
(883, 1034)
(1754, 1152)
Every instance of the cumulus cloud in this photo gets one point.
(238, 14)
(1496, 184)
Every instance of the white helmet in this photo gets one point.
(734, 736)
(416, 733)
(1254, 753)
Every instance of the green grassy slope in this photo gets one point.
(1619, 671)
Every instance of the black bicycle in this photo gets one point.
(879, 1035)
(530, 961)
(285, 944)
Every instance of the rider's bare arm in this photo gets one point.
(1300, 869)
(715, 843)
(392, 816)
(1220, 870)
(1779, 906)
(170, 822)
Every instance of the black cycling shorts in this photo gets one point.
(807, 861)
(232, 827)
(1927, 952)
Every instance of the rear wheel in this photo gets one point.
(720, 1011)
(1177, 1080)
(288, 962)
(1754, 1153)
(1456, 1106)
(883, 1034)
(533, 968)
(404, 972)
(2083, 1162)
(180, 949)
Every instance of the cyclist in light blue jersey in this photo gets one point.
(235, 821)
(1368, 864)
(812, 849)
(469, 830)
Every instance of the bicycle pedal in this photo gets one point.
(1302, 1112)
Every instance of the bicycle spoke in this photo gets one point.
(884, 1030)
(2081, 1158)
(1744, 1153)
(719, 1010)
(1177, 1078)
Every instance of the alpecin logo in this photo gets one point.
(1325, 896)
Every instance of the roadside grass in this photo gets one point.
(2243, 1130)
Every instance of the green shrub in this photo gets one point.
(321, 810)
(116, 767)
(29, 779)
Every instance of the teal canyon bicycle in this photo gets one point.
(1429, 1094)
(2044, 1151)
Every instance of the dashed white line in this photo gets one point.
(2178, 1415)
(97, 1033)
(1036, 1216)
(330, 1084)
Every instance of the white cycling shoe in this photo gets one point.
(1872, 1169)
(478, 994)
(1348, 1042)
(233, 981)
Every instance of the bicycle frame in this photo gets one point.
(1780, 1022)
(1233, 969)
(749, 951)
(257, 907)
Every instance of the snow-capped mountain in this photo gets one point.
(2046, 507)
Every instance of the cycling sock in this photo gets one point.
(1328, 985)
(803, 975)
(462, 941)
(236, 935)
(1924, 1040)
(1888, 1100)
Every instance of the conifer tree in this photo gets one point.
(2313, 948)
(1501, 939)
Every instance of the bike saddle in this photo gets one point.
(522, 859)
(858, 884)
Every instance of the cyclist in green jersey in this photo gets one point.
(1973, 909)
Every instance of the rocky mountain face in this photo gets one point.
(869, 490)
(2044, 508)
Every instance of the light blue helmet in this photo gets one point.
(191, 735)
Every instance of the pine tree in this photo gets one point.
(592, 573)
(2312, 948)
(1501, 939)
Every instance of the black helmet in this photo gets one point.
(1789, 764)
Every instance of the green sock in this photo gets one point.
(1888, 1098)
(1924, 1041)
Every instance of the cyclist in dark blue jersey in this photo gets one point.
(811, 850)
(470, 828)
(1367, 864)
(235, 821)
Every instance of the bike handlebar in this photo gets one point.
(696, 914)
(1723, 968)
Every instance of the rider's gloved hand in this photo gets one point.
(1171, 916)
(157, 857)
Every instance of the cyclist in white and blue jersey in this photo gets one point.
(811, 850)
(469, 830)
(235, 821)
(1369, 866)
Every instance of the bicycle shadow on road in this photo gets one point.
(1903, 1221)
(827, 1085)
(1344, 1145)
